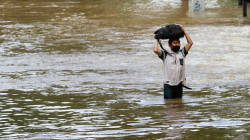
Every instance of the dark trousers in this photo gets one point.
(173, 92)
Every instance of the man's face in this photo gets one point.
(175, 43)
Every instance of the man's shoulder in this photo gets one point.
(164, 53)
(183, 51)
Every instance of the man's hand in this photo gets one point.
(181, 26)
(155, 37)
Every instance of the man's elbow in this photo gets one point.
(156, 51)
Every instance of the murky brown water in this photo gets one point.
(85, 69)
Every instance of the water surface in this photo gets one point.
(86, 69)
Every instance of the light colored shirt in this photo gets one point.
(174, 67)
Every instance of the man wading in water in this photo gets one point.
(174, 66)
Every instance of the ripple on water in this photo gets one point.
(223, 123)
(69, 71)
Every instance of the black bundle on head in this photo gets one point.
(170, 31)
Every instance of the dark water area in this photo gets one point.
(85, 69)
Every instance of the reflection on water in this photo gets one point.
(85, 69)
(174, 115)
(118, 113)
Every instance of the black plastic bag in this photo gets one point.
(170, 31)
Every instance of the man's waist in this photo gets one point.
(171, 83)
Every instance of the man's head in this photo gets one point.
(174, 44)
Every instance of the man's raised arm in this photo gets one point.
(189, 40)
(156, 48)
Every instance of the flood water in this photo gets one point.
(85, 69)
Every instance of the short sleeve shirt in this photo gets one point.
(174, 66)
